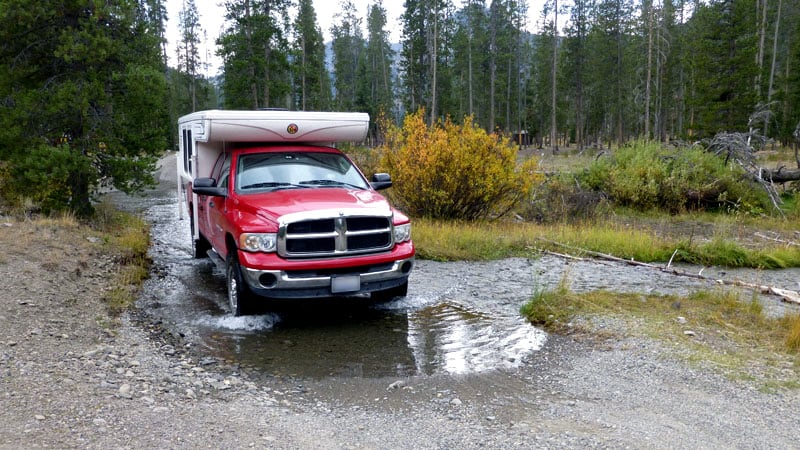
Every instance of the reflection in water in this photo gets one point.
(451, 338)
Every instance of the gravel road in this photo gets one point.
(73, 377)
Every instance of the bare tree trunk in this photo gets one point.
(303, 74)
(649, 11)
(553, 118)
(774, 57)
(471, 31)
(762, 31)
(492, 71)
(433, 45)
(250, 68)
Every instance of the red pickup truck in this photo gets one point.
(286, 215)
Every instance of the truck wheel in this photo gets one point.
(200, 246)
(387, 295)
(238, 293)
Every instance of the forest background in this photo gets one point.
(88, 97)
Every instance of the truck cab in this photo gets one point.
(284, 213)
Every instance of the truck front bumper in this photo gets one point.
(323, 283)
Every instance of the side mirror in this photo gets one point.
(208, 186)
(381, 181)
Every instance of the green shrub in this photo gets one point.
(646, 176)
(53, 178)
(452, 171)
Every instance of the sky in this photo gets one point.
(212, 15)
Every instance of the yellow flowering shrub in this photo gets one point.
(454, 171)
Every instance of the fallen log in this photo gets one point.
(786, 295)
(780, 175)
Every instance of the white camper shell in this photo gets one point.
(204, 135)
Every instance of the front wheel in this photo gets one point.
(238, 293)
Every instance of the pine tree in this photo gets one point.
(312, 88)
(188, 50)
(82, 93)
(348, 49)
(375, 90)
(254, 53)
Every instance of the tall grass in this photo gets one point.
(441, 240)
(127, 237)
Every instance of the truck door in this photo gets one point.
(216, 208)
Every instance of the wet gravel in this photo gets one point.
(72, 377)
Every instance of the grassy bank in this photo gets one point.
(699, 240)
(127, 238)
(717, 329)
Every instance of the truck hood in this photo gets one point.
(271, 206)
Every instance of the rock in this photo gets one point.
(396, 385)
(39, 417)
(689, 333)
(126, 391)
(681, 320)
(456, 402)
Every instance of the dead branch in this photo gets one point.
(775, 239)
(785, 294)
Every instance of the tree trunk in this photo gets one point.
(648, 9)
(762, 31)
(553, 118)
(433, 45)
(772, 66)
(781, 175)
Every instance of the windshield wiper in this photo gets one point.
(331, 183)
(271, 184)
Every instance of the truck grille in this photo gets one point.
(335, 236)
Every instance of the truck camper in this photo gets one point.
(284, 213)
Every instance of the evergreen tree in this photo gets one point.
(348, 49)
(375, 89)
(312, 88)
(189, 63)
(724, 47)
(470, 57)
(253, 50)
(82, 93)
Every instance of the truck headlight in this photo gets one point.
(258, 242)
(402, 233)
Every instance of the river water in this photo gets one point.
(458, 317)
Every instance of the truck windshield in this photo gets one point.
(258, 172)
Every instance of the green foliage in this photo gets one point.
(308, 61)
(561, 199)
(646, 175)
(454, 171)
(255, 54)
(84, 93)
(50, 177)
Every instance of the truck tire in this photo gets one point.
(388, 295)
(239, 295)
(200, 246)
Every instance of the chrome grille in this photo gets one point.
(334, 236)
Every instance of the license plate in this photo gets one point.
(347, 283)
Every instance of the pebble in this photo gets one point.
(125, 391)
